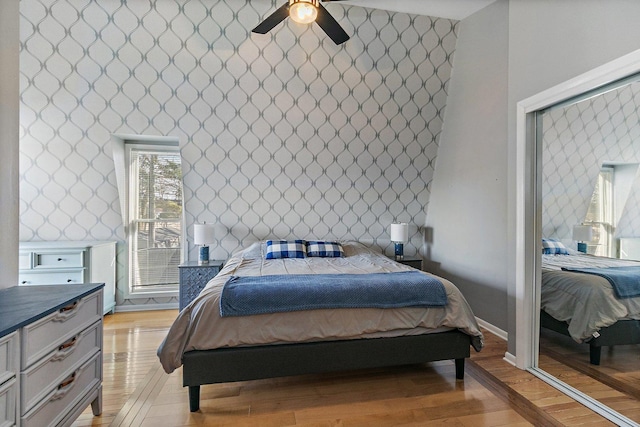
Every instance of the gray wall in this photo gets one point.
(512, 49)
(282, 135)
(551, 42)
(468, 207)
(9, 142)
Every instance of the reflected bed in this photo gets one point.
(585, 306)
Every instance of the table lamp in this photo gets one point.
(582, 234)
(203, 235)
(399, 235)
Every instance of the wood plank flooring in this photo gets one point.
(615, 382)
(137, 392)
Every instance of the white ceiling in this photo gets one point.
(451, 9)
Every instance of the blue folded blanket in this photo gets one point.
(625, 280)
(244, 296)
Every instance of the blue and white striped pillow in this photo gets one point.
(285, 249)
(324, 249)
(553, 247)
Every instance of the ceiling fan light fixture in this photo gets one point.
(303, 11)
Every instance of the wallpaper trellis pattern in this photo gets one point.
(577, 140)
(281, 135)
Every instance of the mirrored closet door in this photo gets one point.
(589, 189)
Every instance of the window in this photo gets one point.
(600, 215)
(155, 218)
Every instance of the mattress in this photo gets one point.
(199, 325)
(586, 302)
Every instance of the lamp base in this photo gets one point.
(582, 247)
(203, 257)
(399, 251)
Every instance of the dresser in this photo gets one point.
(53, 263)
(50, 353)
(194, 277)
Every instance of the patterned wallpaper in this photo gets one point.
(282, 135)
(577, 140)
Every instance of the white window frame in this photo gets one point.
(131, 149)
(121, 145)
(604, 224)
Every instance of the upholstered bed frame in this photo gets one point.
(269, 361)
(622, 332)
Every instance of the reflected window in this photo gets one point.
(600, 215)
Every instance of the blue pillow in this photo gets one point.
(553, 247)
(324, 249)
(285, 249)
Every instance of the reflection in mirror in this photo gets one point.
(590, 279)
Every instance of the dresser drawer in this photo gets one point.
(58, 365)
(8, 357)
(8, 401)
(68, 259)
(24, 260)
(46, 334)
(62, 397)
(52, 278)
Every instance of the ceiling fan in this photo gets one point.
(305, 12)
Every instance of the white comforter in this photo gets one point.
(199, 326)
(586, 302)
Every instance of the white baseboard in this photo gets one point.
(493, 329)
(146, 307)
(509, 358)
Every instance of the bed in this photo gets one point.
(585, 306)
(215, 349)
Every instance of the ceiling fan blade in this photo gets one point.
(272, 20)
(331, 26)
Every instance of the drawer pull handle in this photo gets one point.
(64, 387)
(59, 259)
(69, 307)
(24, 282)
(69, 280)
(69, 343)
(68, 381)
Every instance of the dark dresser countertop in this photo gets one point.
(21, 305)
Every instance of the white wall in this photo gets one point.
(550, 42)
(468, 207)
(9, 97)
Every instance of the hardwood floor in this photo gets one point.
(615, 382)
(137, 392)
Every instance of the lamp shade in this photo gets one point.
(203, 234)
(399, 232)
(582, 233)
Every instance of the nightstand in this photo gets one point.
(194, 277)
(415, 263)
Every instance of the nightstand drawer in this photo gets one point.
(57, 278)
(57, 365)
(68, 259)
(8, 357)
(46, 334)
(62, 397)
